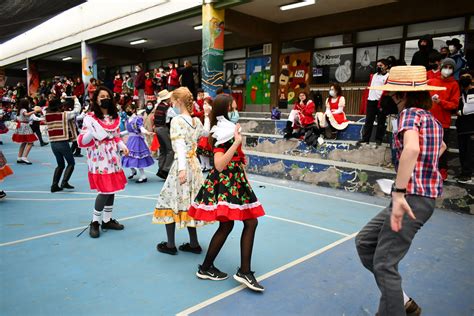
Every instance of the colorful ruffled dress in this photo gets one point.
(139, 155)
(23, 132)
(226, 195)
(5, 169)
(175, 198)
(105, 170)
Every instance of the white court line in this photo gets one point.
(64, 231)
(265, 276)
(118, 195)
(319, 194)
(308, 225)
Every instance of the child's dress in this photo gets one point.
(139, 155)
(105, 171)
(5, 169)
(23, 132)
(226, 195)
(175, 198)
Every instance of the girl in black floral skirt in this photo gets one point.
(226, 196)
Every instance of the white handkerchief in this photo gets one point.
(385, 185)
(223, 131)
(97, 131)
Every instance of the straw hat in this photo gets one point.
(163, 95)
(407, 78)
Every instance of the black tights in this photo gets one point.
(103, 200)
(246, 243)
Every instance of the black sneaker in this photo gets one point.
(211, 274)
(163, 247)
(78, 155)
(112, 224)
(2, 195)
(94, 230)
(187, 248)
(248, 280)
(67, 186)
(412, 309)
(162, 174)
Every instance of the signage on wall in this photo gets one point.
(332, 65)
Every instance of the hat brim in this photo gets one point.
(392, 87)
(167, 96)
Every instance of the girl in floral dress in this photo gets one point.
(23, 133)
(100, 134)
(227, 196)
(185, 177)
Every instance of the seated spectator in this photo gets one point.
(333, 119)
(301, 116)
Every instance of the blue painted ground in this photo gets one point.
(121, 273)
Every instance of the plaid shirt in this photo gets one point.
(426, 179)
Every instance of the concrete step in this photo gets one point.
(347, 176)
(352, 133)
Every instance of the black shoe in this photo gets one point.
(94, 230)
(248, 280)
(1, 143)
(162, 174)
(141, 180)
(162, 247)
(2, 195)
(78, 155)
(187, 248)
(211, 274)
(361, 142)
(20, 161)
(112, 224)
(412, 309)
(55, 188)
(44, 144)
(67, 186)
(130, 177)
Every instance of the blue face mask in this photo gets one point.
(176, 110)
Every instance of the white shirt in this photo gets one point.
(377, 80)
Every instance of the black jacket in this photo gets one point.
(421, 57)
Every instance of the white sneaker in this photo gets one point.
(320, 141)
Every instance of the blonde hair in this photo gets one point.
(184, 95)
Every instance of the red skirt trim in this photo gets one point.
(24, 138)
(203, 144)
(107, 183)
(5, 172)
(224, 212)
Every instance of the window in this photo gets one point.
(297, 46)
(328, 41)
(125, 69)
(154, 64)
(436, 27)
(234, 54)
(471, 22)
(380, 34)
(255, 51)
(412, 46)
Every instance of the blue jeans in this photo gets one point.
(62, 151)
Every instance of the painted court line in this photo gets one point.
(144, 197)
(265, 276)
(308, 225)
(64, 231)
(319, 194)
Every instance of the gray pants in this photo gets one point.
(381, 249)
(166, 157)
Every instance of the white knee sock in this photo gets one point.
(142, 173)
(205, 162)
(97, 216)
(405, 298)
(107, 213)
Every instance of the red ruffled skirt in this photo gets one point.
(24, 138)
(107, 183)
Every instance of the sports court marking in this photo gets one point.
(308, 225)
(223, 295)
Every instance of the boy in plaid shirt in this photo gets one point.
(386, 239)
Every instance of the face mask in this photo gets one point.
(129, 113)
(379, 70)
(444, 55)
(433, 67)
(423, 47)
(452, 49)
(105, 103)
(176, 110)
(332, 93)
(149, 107)
(446, 72)
(465, 82)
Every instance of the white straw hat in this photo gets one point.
(407, 78)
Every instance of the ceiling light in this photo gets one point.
(25, 68)
(297, 5)
(140, 41)
(67, 58)
(198, 27)
(208, 1)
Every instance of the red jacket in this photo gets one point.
(306, 113)
(118, 86)
(173, 79)
(431, 75)
(449, 99)
(149, 89)
(78, 90)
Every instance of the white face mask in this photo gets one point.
(446, 72)
(332, 93)
(452, 49)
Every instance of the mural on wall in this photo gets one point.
(89, 65)
(235, 73)
(258, 80)
(293, 77)
(332, 65)
(32, 79)
(212, 49)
